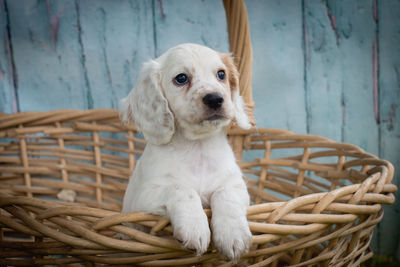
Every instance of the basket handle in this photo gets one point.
(240, 46)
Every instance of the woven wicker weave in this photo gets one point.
(326, 203)
(314, 201)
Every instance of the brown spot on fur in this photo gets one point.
(188, 86)
(154, 107)
(232, 72)
(146, 82)
(167, 121)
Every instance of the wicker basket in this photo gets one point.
(315, 201)
(63, 176)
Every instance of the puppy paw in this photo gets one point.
(231, 236)
(193, 232)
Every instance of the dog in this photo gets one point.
(182, 103)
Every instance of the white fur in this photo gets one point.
(188, 164)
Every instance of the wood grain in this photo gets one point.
(192, 21)
(278, 74)
(323, 70)
(389, 101)
(8, 101)
(47, 55)
(115, 40)
(357, 29)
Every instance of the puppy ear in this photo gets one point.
(147, 108)
(241, 117)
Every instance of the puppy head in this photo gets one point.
(190, 88)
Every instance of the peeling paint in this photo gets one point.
(89, 96)
(103, 34)
(153, 13)
(319, 43)
(54, 21)
(103, 43)
(332, 18)
(343, 108)
(306, 64)
(375, 70)
(392, 117)
(127, 70)
(397, 74)
(34, 40)
(375, 64)
(306, 46)
(375, 11)
(13, 77)
(161, 9)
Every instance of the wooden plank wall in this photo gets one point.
(86, 54)
(330, 68)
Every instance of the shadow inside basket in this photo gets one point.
(313, 201)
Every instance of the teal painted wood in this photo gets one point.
(278, 64)
(357, 27)
(323, 71)
(389, 108)
(47, 55)
(116, 39)
(8, 102)
(316, 66)
(356, 30)
(190, 21)
(341, 76)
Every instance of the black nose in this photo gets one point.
(213, 101)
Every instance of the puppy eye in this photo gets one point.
(221, 75)
(181, 79)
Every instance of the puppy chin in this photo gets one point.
(215, 122)
(205, 128)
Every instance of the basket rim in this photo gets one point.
(10, 122)
(252, 209)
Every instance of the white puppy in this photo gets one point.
(182, 102)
